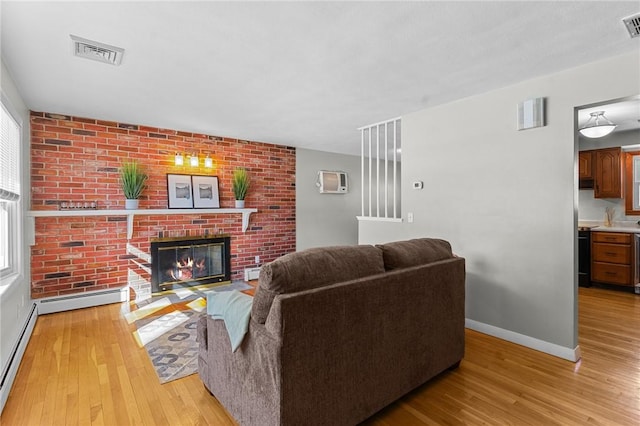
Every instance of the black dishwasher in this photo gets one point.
(584, 257)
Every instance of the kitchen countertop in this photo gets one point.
(619, 226)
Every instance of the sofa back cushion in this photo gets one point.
(404, 254)
(313, 268)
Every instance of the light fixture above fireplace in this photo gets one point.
(194, 160)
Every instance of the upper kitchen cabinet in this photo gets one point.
(585, 167)
(608, 173)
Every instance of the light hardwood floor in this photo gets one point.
(83, 368)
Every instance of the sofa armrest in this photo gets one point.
(247, 381)
(201, 336)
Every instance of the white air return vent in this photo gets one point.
(633, 25)
(97, 51)
(251, 274)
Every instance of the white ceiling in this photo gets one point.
(303, 74)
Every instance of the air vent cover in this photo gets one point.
(97, 51)
(633, 25)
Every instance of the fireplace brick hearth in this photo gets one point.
(76, 159)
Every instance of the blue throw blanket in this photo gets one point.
(235, 309)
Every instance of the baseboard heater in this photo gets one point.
(11, 368)
(83, 300)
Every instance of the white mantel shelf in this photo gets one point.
(246, 213)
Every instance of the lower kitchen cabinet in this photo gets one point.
(614, 258)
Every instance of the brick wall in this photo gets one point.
(77, 159)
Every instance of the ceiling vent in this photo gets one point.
(633, 25)
(97, 51)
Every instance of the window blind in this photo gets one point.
(9, 157)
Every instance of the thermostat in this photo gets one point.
(418, 184)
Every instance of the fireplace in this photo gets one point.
(189, 261)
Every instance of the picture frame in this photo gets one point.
(205, 192)
(179, 191)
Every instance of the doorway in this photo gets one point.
(593, 206)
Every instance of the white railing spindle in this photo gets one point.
(388, 182)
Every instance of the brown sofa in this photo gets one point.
(338, 333)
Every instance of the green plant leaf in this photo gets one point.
(240, 183)
(132, 179)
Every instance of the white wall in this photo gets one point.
(507, 199)
(590, 208)
(326, 219)
(15, 298)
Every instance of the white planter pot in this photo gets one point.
(239, 204)
(131, 204)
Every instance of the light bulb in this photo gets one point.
(208, 162)
(194, 161)
(179, 159)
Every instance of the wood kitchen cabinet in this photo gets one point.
(608, 172)
(585, 165)
(614, 258)
(585, 169)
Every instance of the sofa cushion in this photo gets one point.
(313, 268)
(404, 254)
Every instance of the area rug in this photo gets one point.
(166, 328)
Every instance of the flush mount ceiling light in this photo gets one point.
(597, 126)
(96, 51)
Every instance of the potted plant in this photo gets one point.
(132, 178)
(240, 184)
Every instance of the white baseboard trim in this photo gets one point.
(530, 342)
(11, 369)
(82, 300)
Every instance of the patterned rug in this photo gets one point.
(166, 328)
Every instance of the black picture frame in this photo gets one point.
(179, 191)
(206, 193)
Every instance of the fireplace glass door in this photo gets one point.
(189, 263)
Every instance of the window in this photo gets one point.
(4, 233)
(9, 190)
(632, 183)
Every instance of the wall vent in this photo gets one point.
(633, 25)
(251, 273)
(96, 51)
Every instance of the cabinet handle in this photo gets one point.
(609, 253)
(611, 274)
